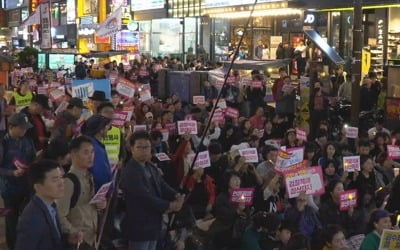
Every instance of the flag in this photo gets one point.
(111, 25)
(34, 18)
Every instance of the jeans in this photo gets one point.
(142, 245)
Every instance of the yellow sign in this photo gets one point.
(365, 62)
(390, 240)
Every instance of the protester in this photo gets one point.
(379, 221)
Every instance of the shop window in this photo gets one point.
(166, 37)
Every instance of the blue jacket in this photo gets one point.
(146, 199)
(101, 169)
(36, 229)
(22, 149)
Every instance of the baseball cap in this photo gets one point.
(76, 102)
(20, 120)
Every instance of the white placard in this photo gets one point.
(250, 154)
(187, 126)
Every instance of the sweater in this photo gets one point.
(371, 242)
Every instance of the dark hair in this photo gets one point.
(76, 143)
(282, 69)
(114, 92)
(376, 215)
(40, 168)
(155, 135)
(267, 149)
(58, 147)
(215, 148)
(140, 135)
(227, 178)
(364, 158)
(326, 148)
(298, 241)
(104, 105)
(330, 231)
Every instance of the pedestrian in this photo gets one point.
(147, 196)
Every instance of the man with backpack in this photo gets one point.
(77, 214)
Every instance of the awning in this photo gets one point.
(257, 64)
(324, 46)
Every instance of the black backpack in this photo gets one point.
(77, 189)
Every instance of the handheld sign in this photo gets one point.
(43, 90)
(301, 134)
(242, 195)
(165, 135)
(137, 128)
(309, 180)
(187, 126)
(162, 157)
(218, 116)
(246, 81)
(390, 240)
(20, 164)
(351, 163)
(221, 103)
(119, 119)
(199, 99)
(125, 88)
(348, 199)
(232, 113)
(256, 84)
(289, 159)
(171, 127)
(393, 152)
(352, 132)
(145, 95)
(250, 154)
(101, 193)
(202, 161)
(231, 80)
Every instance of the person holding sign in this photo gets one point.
(379, 221)
(147, 196)
(76, 214)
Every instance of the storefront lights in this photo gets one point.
(257, 13)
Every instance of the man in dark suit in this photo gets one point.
(38, 227)
(147, 196)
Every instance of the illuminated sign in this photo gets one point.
(147, 5)
(223, 3)
(309, 19)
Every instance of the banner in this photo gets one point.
(289, 159)
(45, 25)
(348, 199)
(202, 161)
(390, 240)
(187, 126)
(111, 25)
(83, 91)
(119, 119)
(308, 180)
(250, 154)
(93, 84)
(393, 152)
(125, 88)
(256, 84)
(242, 195)
(351, 163)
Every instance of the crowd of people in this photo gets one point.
(72, 179)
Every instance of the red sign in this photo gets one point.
(393, 152)
(171, 127)
(256, 84)
(242, 196)
(232, 113)
(119, 119)
(308, 180)
(98, 39)
(348, 199)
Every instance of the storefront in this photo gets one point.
(17, 11)
(273, 23)
(63, 22)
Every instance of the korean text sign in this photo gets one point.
(308, 180)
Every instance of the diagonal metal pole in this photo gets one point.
(356, 65)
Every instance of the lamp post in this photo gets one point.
(356, 65)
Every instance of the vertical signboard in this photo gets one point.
(46, 26)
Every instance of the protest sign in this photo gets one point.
(289, 159)
(232, 113)
(187, 126)
(119, 119)
(85, 88)
(242, 195)
(199, 99)
(56, 95)
(257, 84)
(165, 135)
(137, 128)
(202, 161)
(63, 106)
(308, 180)
(348, 199)
(43, 90)
(18, 163)
(113, 77)
(125, 88)
(352, 132)
(218, 116)
(351, 163)
(162, 157)
(101, 193)
(145, 95)
(301, 134)
(393, 152)
(250, 154)
(221, 103)
(246, 81)
(171, 127)
(390, 240)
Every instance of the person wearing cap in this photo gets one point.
(96, 99)
(65, 124)
(22, 97)
(379, 221)
(17, 152)
(38, 133)
(96, 127)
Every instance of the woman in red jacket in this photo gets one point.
(201, 197)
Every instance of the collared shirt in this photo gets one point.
(53, 214)
(82, 217)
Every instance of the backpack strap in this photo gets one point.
(77, 189)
